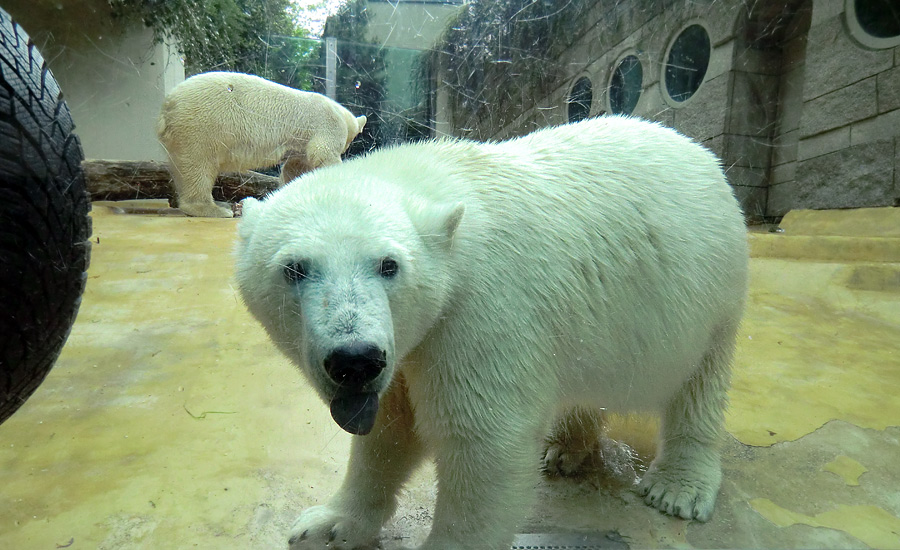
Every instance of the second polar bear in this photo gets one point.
(219, 122)
(451, 298)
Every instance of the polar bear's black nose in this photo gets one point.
(356, 364)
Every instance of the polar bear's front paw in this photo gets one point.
(324, 527)
(561, 460)
(682, 493)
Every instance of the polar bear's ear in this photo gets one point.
(440, 221)
(454, 216)
(360, 123)
(250, 208)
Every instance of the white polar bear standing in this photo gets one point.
(452, 298)
(219, 122)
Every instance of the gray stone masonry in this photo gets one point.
(753, 104)
(822, 144)
(897, 171)
(878, 128)
(888, 84)
(753, 201)
(783, 173)
(839, 108)
(745, 177)
(858, 176)
(834, 60)
(747, 151)
(824, 10)
(790, 92)
(784, 148)
(704, 115)
(813, 122)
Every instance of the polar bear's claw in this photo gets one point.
(679, 498)
(562, 461)
(322, 526)
(574, 443)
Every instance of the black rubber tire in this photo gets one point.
(44, 223)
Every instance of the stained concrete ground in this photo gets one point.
(170, 421)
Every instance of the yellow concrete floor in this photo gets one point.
(169, 420)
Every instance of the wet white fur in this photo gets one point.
(219, 122)
(597, 264)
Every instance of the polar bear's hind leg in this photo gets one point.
(684, 478)
(573, 442)
(193, 184)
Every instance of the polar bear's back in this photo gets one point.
(240, 109)
(612, 240)
(597, 183)
(620, 178)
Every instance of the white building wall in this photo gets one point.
(114, 79)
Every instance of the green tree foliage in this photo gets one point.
(251, 36)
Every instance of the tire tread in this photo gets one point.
(44, 223)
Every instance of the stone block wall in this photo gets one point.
(849, 124)
(801, 112)
(736, 75)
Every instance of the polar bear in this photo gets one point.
(219, 122)
(452, 298)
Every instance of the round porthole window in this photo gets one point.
(625, 86)
(687, 62)
(874, 23)
(580, 99)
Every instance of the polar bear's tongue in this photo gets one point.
(355, 412)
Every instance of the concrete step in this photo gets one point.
(828, 248)
(857, 235)
(852, 222)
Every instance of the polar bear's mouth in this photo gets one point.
(355, 412)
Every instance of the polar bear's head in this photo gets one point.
(347, 277)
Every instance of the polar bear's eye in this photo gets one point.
(295, 271)
(388, 268)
